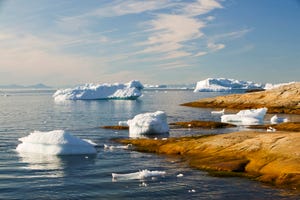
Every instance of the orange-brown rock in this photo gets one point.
(287, 126)
(116, 127)
(268, 157)
(202, 124)
(285, 99)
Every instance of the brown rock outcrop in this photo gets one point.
(285, 99)
(268, 157)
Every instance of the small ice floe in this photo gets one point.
(137, 175)
(271, 129)
(221, 112)
(57, 142)
(191, 191)
(111, 147)
(276, 120)
(148, 124)
(246, 117)
(123, 123)
(179, 175)
(91, 142)
(143, 184)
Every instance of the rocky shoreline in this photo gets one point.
(268, 157)
(285, 99)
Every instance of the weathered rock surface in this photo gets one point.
(202, 124)
(285, 99)
(268, 157)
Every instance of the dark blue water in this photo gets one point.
(89, 177)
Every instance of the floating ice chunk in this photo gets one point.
(221, 112)
(148, 123)
(179, 175)
(246, 117)
(137, 175)
(91, 142)
(111, 147)
(57, 142)
(131, 91)
(123, 123)
(225, 85)
(271, 129)
(276, 120)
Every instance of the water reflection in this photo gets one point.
(55, 164)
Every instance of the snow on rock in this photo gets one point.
(148, 123)
(130, 91)
(57, 142)
(246, 117)
(224, 85)
(138, 175)
(276, 120)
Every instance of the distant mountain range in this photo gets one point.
(14, 86)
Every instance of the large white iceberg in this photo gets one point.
(148, 123)
(246, 117)
(225, 85)
(130, 91)
(57, 142)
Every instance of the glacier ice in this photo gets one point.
(130, 91)
(148, 123)
(57, 142)
(246, 117)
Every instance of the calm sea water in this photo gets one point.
(86, 177)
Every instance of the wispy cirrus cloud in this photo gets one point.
(169, 33)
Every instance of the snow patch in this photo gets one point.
(130, 91)
(57, 142)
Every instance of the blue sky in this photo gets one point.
(60, 42)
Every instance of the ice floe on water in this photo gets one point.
(218, 112)
(227, 85)
(246, 117)
(111, 147)
(137, 175)
(276, 120)
(148, 124)
(130, 91)
(57, 142)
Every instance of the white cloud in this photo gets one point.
(215, 47)
(201, 7)
(201, 53)
(120, 7)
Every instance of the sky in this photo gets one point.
(63, 42)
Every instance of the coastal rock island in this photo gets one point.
(284, 99)
(268, 157)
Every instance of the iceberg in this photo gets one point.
(137, 175)
(246, 117)
(129, 91)
(225, 85)
(57, 142)
(148, 123)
